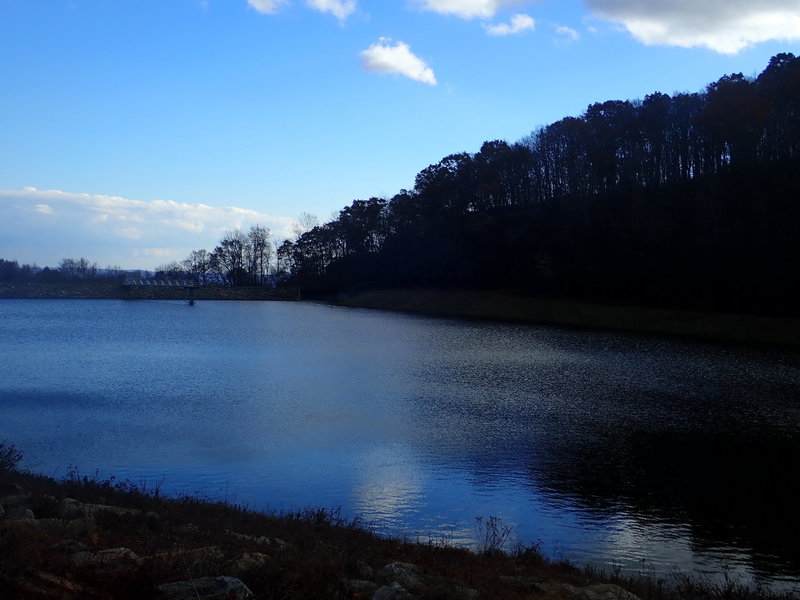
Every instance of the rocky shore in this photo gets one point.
(83, 538)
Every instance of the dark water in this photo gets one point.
(621, 451)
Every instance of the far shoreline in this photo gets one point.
(495, 305)
(783, 332)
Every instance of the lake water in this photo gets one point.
(621, 451)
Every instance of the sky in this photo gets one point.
(135, 131)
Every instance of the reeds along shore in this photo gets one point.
(86, 537)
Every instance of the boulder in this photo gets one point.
(19, 513)
(91, 510)
(69, 546)
(248, 561)
(42, 584)
(393, 591)
(360, 588)
(602, 591)
(69, 508)
(112, 559)
(364, 571)
(257, 539)
(45, 506)
(406, 574)
(16, 500)
(78, 527)
(467, 593)
(206, 588)
(196, 560)
(53, 528)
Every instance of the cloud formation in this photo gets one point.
(383, 57)
(341, 9)
(568, 33)
(267, 7)
(725, 26)
(518, 24)
(44, 226)
(466, 9)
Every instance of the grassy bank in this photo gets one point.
(513, 307)
(82, 537)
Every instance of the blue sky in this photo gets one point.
(134, 131)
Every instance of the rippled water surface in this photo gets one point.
(617, 450)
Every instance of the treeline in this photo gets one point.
(688, 199)
(69, 269)
(240, 259)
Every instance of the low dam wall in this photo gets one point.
(117, 291)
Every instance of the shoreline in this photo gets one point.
(506, 306)
(84, 537)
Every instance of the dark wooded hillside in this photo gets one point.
(685, 200)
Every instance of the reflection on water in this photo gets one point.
(621, 451)
(388, 487)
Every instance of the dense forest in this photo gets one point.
(684, 200)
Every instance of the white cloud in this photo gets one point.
(267, 7)
(519, 23)
(568, 33)
(44, 226)
(341, 9)
(132, 233)
(725, 26)
(467, 9)
(383, 57)
(159, 252)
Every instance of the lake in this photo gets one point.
(629, 452)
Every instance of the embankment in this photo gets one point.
(507, 306)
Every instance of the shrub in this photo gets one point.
(9, 457)
(492, 535)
